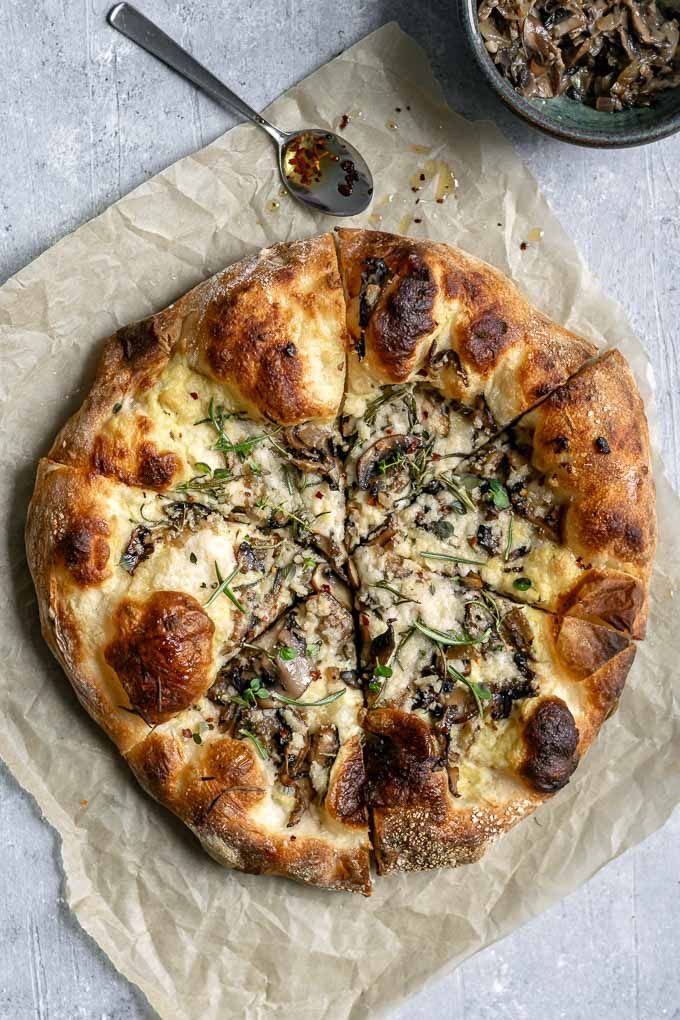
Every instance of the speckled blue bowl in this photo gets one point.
(568, 119)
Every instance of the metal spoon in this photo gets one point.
(317, 167)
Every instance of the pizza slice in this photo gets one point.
(266, 767)
(141, 593)
(557, 511)
(231, 394)
(478, 708)
(445, 352)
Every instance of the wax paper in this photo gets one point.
(201, 941)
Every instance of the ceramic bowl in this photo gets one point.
(568, 119)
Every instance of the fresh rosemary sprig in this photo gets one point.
(255, 742)
(447, 557)
(224, 589)
(446, 637)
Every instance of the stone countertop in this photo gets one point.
(80, 127)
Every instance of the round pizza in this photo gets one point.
(348, 551)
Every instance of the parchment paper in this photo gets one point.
(201, 941)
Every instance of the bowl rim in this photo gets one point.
(524, 109)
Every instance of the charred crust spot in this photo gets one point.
(155, 470)
(487, 337)
(551, 739)
(84, 551)
(614, 599)
(161, 653)
(137, 339)
(559, 444)
(401, 755)
(406, 315)
(601, 445)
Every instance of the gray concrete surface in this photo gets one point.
(79, 126)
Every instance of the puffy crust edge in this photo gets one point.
(220, 812)
(55, 493)
(507, 349)
(590, 437)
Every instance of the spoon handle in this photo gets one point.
(128, 20)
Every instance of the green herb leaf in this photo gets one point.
(193, 557)
(508, 544)
(287, 653)
(308, 563)
(197, 738)
(461, 494)
(202, 469)
(401, 600)
(444, 637)
(255, 742)
(480, 692)
(522, 583)
(499, 494)
(224, 589)
(374, 686)
(116, 408)
(307, 704)
(385, 671)
(452, 559)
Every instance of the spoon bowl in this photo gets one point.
(318, 168)
(325, 172)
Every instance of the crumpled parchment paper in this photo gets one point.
(201, 941)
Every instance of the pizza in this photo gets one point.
(348, 551)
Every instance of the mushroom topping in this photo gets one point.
(326, 582)
(518, 631)
(138, 549)
(311, 449)
(293, 670)
(375, 275)
(383, 465)
(610, 54)
(383, 646)
(248, 559)
(325, 746)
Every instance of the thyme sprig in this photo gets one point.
(450, 558)
(480, 692)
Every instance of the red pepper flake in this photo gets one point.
(186, 734)
(416, 220)
(319, 494)
(84, 803)
(293, 838)
(422, 177)
(194, 396)
(523, 246)
(440, 201)
(315, 674)
(436, 456)
(364, 620)
(397, 109)
(344, 121)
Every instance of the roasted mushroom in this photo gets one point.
(610, 54)
(311, 449)
(383, 465)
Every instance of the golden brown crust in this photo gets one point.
(488, 340)
(68, 544)
(590, 438)
(216, 791)
(162, 651)
(272, 330)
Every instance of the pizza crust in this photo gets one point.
(307, 334)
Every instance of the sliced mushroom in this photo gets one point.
(302, 790)
(248, 559)
(382, 465)
(138, 549)
(325, 581)
(294, 675)
(517, 628)
(312, 450)
(324, 746)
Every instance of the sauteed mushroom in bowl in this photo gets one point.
(601, 73)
